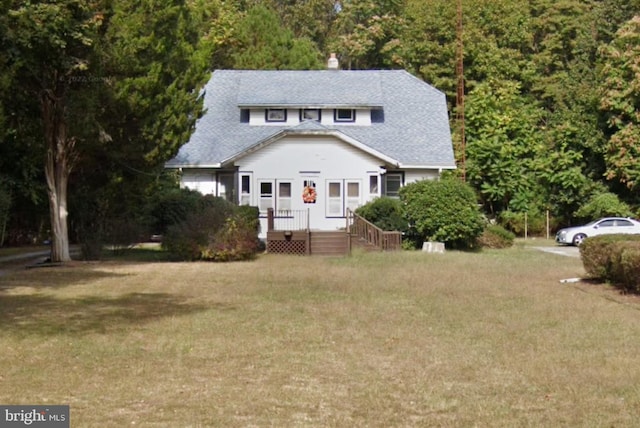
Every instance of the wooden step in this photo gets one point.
(329, 243)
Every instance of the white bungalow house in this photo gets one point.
(318, 142)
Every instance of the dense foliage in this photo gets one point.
(551, 93)
(213, 229)
(385, 213)
(443, 210)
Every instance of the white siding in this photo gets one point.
(296, 159)
(203, 182)
(321, 159)
(420, 174)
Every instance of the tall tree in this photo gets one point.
(50, 43)
(366, 33)
(502, 145)
(621, 102)
(264, 44)
(116, 84)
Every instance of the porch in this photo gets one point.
(289, 232)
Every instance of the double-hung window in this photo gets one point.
(267, 196)
(393, 182)
(275, 194)
(283, 203)
(245, 189)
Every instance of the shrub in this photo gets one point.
(595, 255)
(384, 212)
(613, 258)
(237, 240)
(496, 236)
(515, 222)
(445, 210)
(172, 207)
(604, 205)
(217, 230)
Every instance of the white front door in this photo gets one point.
(342, 194)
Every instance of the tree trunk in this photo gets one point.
(57, 169)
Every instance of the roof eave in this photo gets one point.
(195, 165)
(427, 166)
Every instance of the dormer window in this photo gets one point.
(276, 115)
(344, 115)
(310, 114)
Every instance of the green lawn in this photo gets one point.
(406, 339)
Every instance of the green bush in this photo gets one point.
(172, 207)
(613, 258)
(216, 230)
(515, 221)
(445, 210)
(384, 212)
(603, 205)
(496, 236)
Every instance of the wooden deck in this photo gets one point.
(358, 232)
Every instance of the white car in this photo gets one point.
(603, 226)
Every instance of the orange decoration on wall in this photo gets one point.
(309, 195)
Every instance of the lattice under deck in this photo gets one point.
(287, 247)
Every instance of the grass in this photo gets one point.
(407, 339)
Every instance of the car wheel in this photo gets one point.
(577, 240)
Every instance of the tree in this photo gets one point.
(366, 33)
(118, 91)
(502, 145)
(50, 45)
(604, 205)
(263, 44)
(620, 100)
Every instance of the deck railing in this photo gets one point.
(364, 230)
(291, 220)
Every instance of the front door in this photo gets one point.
(342, 194)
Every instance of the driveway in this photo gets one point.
(562, 250)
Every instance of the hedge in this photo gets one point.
(613, 258)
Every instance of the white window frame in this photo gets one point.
(374, 185)
(335, 203)
(352, 201)
(283, 202)
(337, 117)
(245, 186)
(266, 199)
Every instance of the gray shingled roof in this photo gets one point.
(415, 130)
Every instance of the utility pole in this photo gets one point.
(460, 90)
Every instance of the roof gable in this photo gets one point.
(310, 127)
